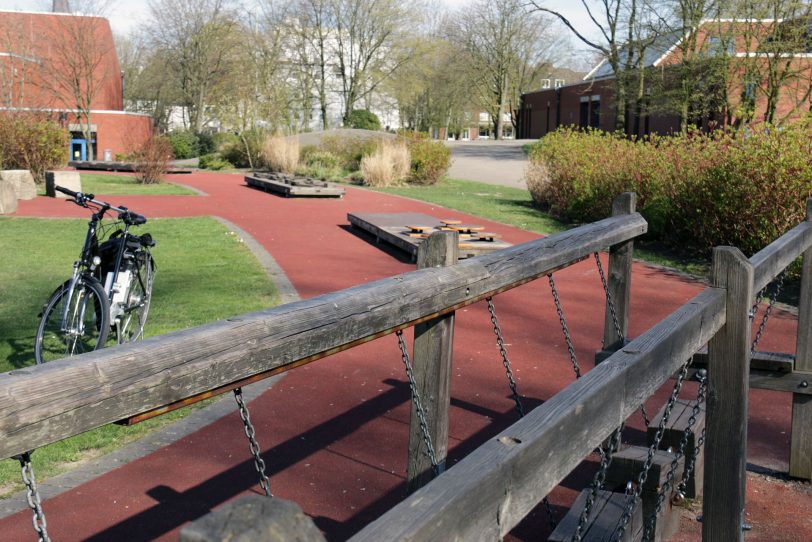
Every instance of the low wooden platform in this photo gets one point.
(99, 165)
(407, 230)
(293, 186)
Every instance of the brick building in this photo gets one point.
(747, 47)
(40, 56)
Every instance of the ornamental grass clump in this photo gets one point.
(280, 154)
(387, 165)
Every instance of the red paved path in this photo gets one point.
(334, 433)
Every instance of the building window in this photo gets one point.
(559, 83)
(750, 87)
(720, 47)
(545, 83)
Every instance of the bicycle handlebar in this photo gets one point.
(124, 214)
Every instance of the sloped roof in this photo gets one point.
(653, 55)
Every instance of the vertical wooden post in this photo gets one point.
(800, 458)
(728, 386)
(433, 345)
(619, 277)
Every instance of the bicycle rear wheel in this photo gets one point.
(130, 325)
(73, 323)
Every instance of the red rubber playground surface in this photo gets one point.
(334, 433)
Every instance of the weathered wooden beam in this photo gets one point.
(728, 386)
(486, 494)
(776, 362)
(46, 403)
(433, 347)
(796, 382)
(800, 457)
(619, 278)
(775, 257)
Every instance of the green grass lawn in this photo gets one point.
(205, 273)
(117, 185)
(514, 206)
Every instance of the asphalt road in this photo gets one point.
(493, 162)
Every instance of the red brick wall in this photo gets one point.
(121, 133)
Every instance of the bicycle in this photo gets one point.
(110, 289)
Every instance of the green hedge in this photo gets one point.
(697, 190)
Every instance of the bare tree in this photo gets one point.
(508, 49)
(369, 44)
(616, 22)
(197, 36)
(311, 37)
(18, 64)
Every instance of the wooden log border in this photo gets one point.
(46, 403)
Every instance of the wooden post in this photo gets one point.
(619, 277)
(728, 386)
(433, 345)
(800, 458)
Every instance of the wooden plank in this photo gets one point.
(49, 402)
(672, 436)
(290, 187)
(728, 386)
(798, 382)
(433, 348)
(777, 362)
(398, 229)
(776, 256)
(603, 520)
(619, 277)
(487, 493)
(800, 458)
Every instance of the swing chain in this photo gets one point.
(33, 498)
(678, 453)
(691, 463)
(779, 284)
(597, 481)
(564, 328)
(609, 301)
(421, 412)
(253, 445)
(635, 492)
(500, 342)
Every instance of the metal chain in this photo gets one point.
(633, 493)
(691, 463)
(597, 482)
(678, 454)
(421, 412)
(609, 301)
(779, 284)
(500, 342)
(32, 495)
(253, 445)
(564, 328)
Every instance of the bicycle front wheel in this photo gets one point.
(73, 322)
(130, 325)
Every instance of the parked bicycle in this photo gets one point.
(110, 289)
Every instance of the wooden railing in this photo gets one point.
(47, 403)
(487, 493)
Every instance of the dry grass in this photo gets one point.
(537, 177)
(389, 164)
(281, 154)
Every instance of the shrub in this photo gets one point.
(280, 154)
(222, 139)
(184, 144)
(214, 162)
(696, 190)
(387, 165)
(152, 159)
(32, 142)
(244, 150)
(349, 150)
(313, 156)
(430, 160)
(205, 144)
(363, 119)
